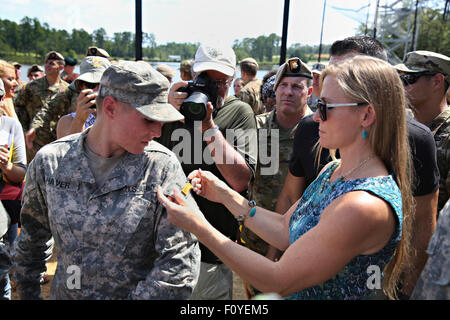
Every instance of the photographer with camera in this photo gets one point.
(43, 126)
(227, 147)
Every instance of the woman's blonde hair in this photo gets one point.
(371, 80)
(5, 65)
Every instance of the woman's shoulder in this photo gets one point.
(6, 120)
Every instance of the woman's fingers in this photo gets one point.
(193, 174)
(161, 197)
(178, 198)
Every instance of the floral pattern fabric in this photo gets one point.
(351, 282)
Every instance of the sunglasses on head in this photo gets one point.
(410, 78)
(88, 85)
(323, 107)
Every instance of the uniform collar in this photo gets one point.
(437, 122)
(78, 164)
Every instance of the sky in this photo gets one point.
(203, 21)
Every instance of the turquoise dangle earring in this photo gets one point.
(364, 134)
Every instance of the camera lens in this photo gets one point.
(195, 108)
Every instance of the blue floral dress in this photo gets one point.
(351, 281)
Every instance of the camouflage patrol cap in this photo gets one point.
(53, 55)
(92, 68)
(420, 61)
(294, 67)
(99, 52)
(144, 88)
(186, 65)
(34, 68)
(249, 61)
(166, 71)
(2, 89)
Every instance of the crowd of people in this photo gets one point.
(322, 182)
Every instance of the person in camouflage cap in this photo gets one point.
(43, 126)
(35, 72)
(93, 194)
(38, 93)
(166, 71)
(251, 91)
(426, 77)
(276, 130)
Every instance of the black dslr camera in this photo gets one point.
(200, 91)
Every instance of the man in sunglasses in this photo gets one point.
(426, 77)
(316, 71)
(38, 93)
(303, 166)
(43, 126)
(292, 87)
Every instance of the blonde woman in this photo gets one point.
(8, 75)
(352, 221)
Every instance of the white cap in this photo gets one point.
(221, 59)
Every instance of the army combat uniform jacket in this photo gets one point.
(36, 94)
(112, 241)
(45, 121)
(440, 127)
(29, 102)
(434, 281)
(251, 94)
(271, 171)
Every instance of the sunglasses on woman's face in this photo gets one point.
(410, 78)
(323, 107)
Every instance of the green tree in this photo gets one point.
(99, 36)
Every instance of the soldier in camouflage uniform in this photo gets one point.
(279, 126)
(251, 91)
(434, 281)
(38, 93)
(94, 195)
(426, 76)
(43, 126)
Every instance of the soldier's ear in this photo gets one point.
(109, 107)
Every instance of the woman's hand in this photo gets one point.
(180, 213)
(176, 98)
(208, 185)
(85, 101)
(5, 165)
